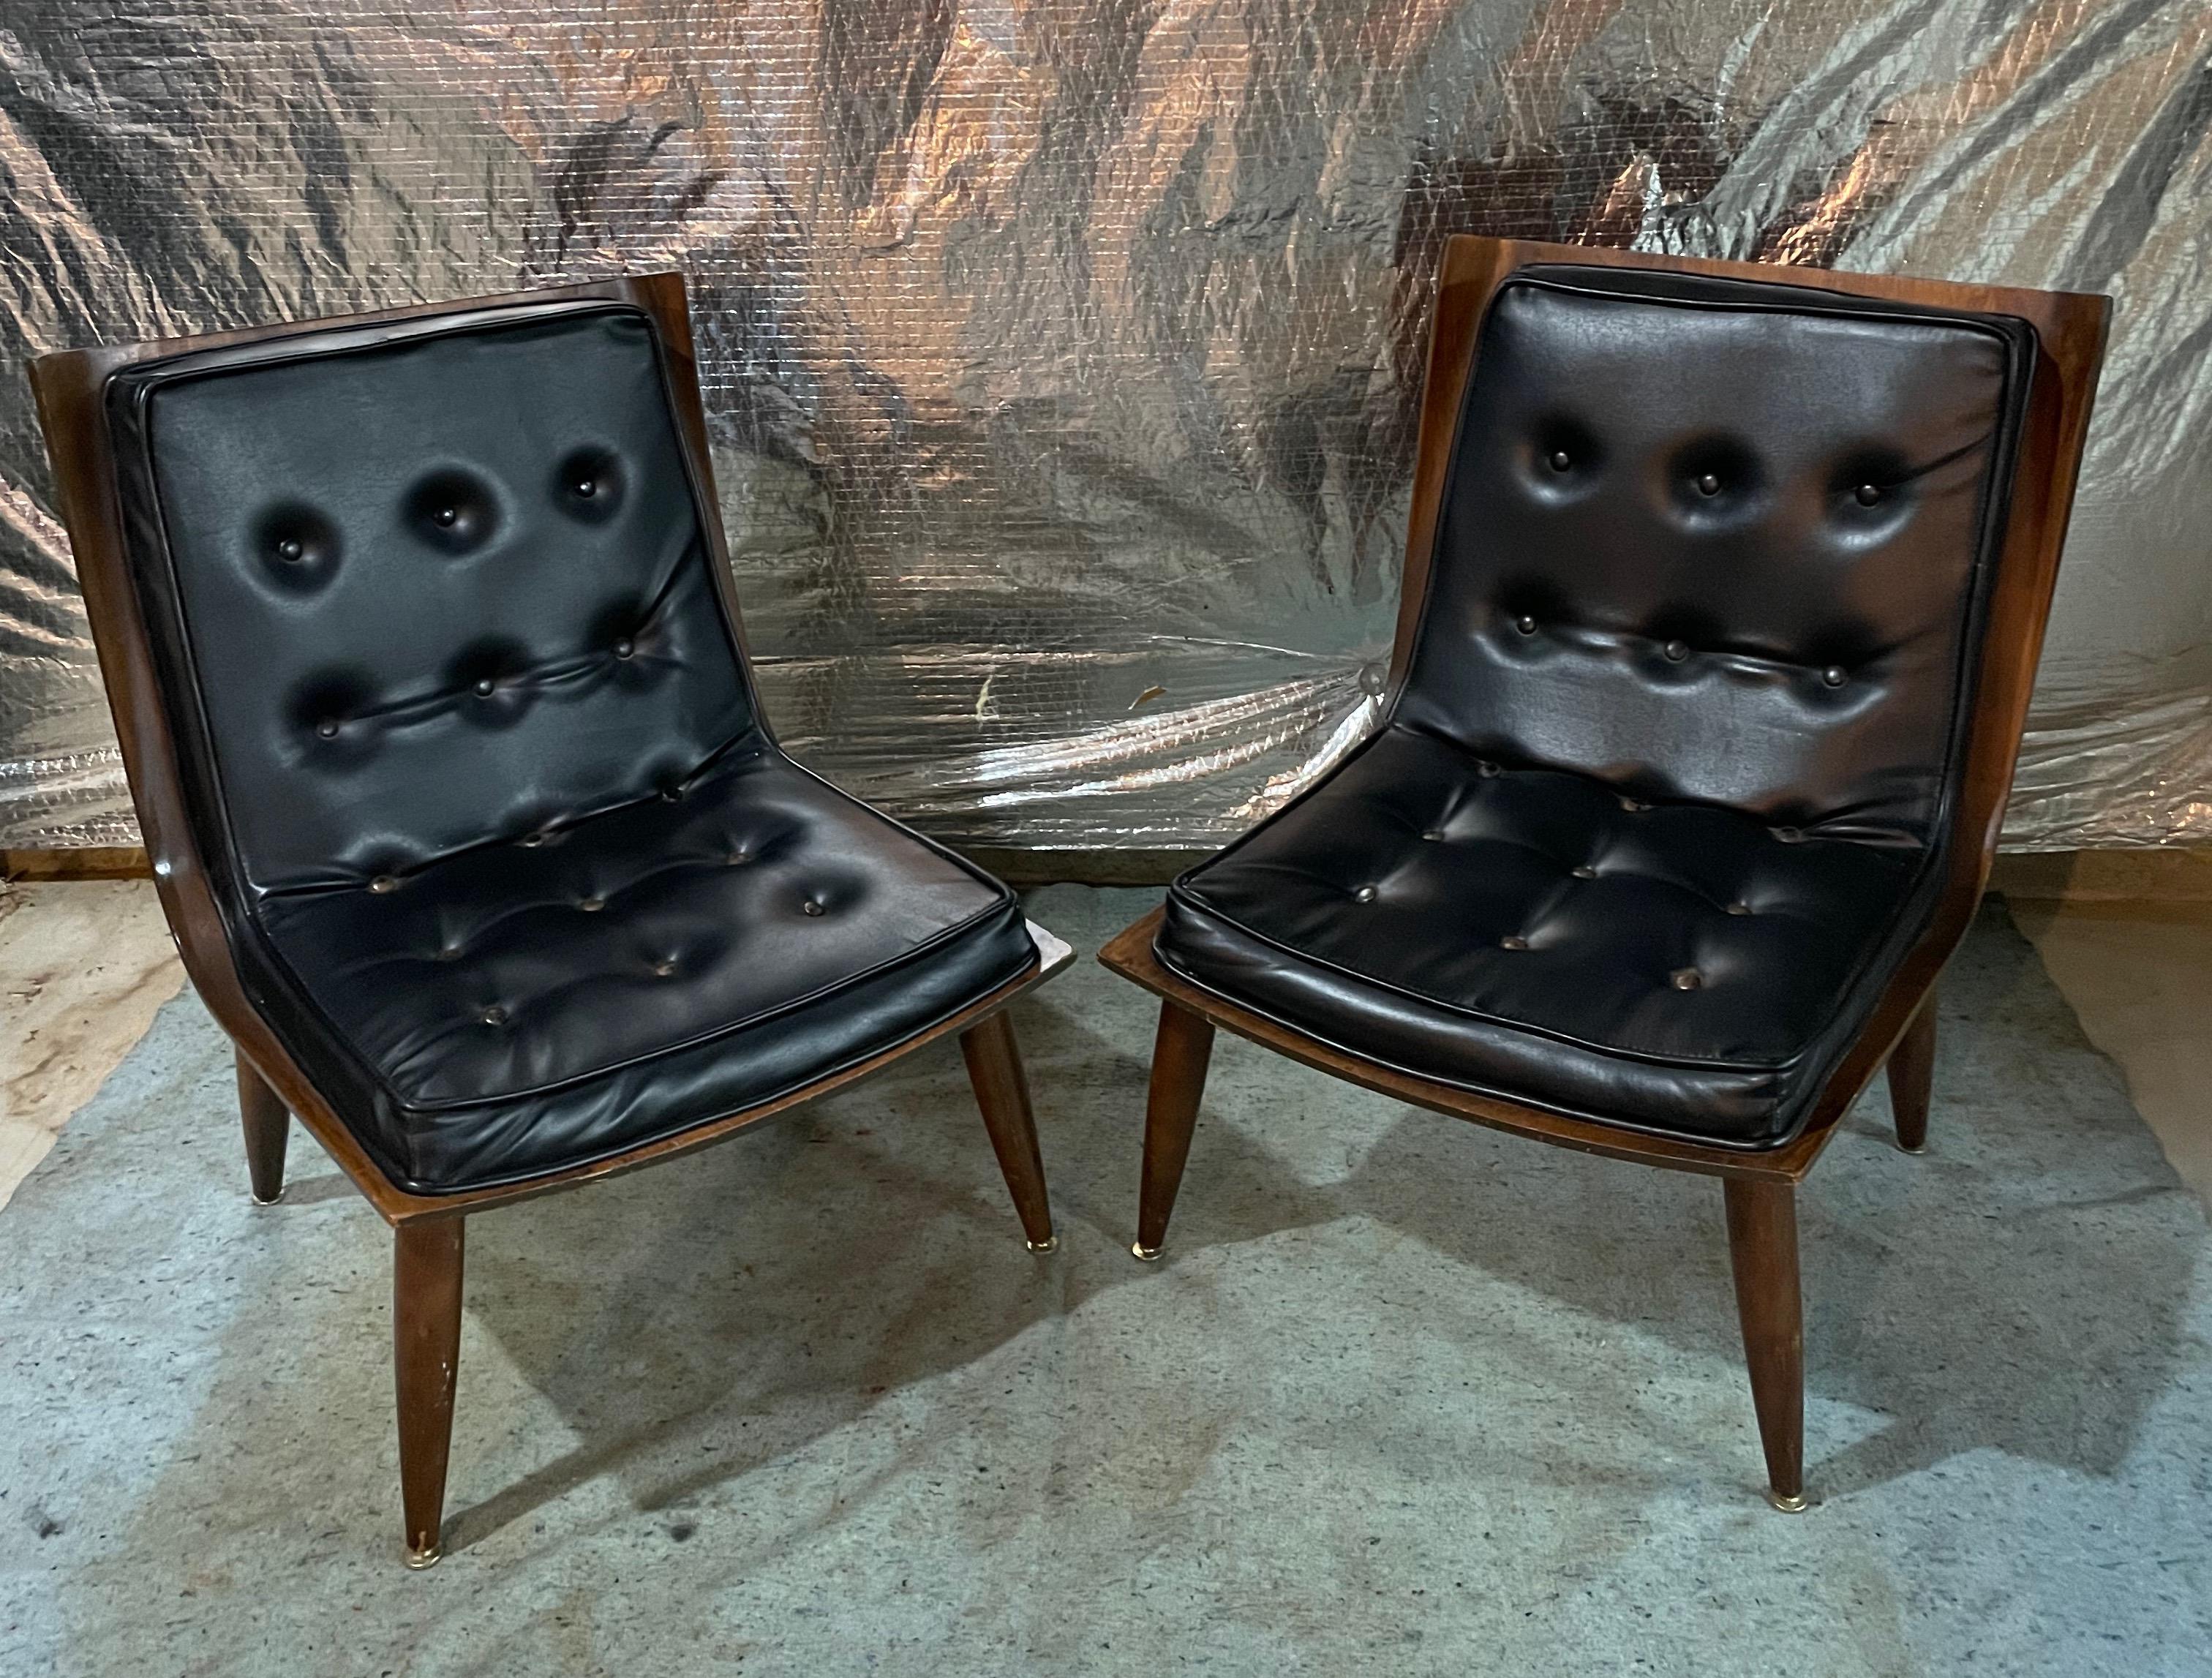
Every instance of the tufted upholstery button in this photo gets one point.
(1676, 651)
(1833, 676)
(530, 841)
(1584, 871)
(383, 883)
(1434, 836)
(449, 953)
(1513, 941)
(485, 687)
(586, 488)
(812, 907)
(327, 729)
(1561, 460)
(1488, 770)
(1685, 978)
(672, 792)
(1788, 835)
(740, 857)
(1867, 494)
(299, 544)
(1526, 625)
(1631, 805)
(1365, 895)
(454, 511)
(624, 647)
(591, 905)
(1708, 484)
(495, 1015)
(664, 967)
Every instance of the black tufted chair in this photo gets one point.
(419, 637)
(1723, 593)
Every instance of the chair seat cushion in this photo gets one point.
(534, 1003)
(1533, 933)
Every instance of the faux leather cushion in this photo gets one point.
(1523, 931)
(411, 625)
(1664, 796)
(594, 987)
(1706, 547)
(505, 857)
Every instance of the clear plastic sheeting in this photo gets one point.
(1063, 357)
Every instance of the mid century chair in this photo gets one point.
(419, 636)
(1723, 592)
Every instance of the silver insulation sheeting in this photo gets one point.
(1063, 357)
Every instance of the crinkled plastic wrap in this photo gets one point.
(1063, 357)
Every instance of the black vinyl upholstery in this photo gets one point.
(1663, 797)
(506, 855)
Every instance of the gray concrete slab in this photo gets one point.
(1406, 1396)
(2137, 972)
(84, 965)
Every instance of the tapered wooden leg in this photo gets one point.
(426, 1333)
(1762, 1225)
(267, 1127)
(1180, 1054)
(1912, 1074)
(1002, 1090)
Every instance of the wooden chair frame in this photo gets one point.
(426, 1229)
(1760, 1188)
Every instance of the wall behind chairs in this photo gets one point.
(1063, 353)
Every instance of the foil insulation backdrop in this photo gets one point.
(1063, 357)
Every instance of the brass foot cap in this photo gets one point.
(1787, 1505)
(1143, 1254)
(272, 1200)
(426, 1556)
(1049, 1244)
(1923, 1148)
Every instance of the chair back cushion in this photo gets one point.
(414, 588)
(1721, 541)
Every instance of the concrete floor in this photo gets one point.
(1406, 1397)
(2137, 969)
(82, 967)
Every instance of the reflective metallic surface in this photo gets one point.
(1063, 356)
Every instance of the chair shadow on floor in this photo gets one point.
(2024, 1287)
(796, 1277)
(682, 1327)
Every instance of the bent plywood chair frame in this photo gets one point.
(1760, 1186)
(427, 1229)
